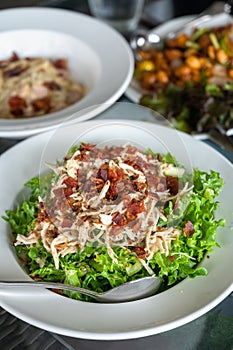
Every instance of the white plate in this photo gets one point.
(134, 92)
(105, 61)
(181, 304)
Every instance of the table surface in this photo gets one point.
(214, 330)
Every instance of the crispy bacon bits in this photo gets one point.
(17, 105)
(41, 104)
(188, 229)
(113, 196)
(14, 72)
(172, 184)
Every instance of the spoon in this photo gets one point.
(133, 290)
(144, 40)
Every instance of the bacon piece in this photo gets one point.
(112, 193)
(51, 85)
(86, 146)
(135, 207)
(140, 252)
(188, 229)
(103, 172)
(172, 184)
(119, 219)
(70, 184)
(17, 105)
(14, 57)
(14, 72)
(41, 104)
(43, 215)
(60, 63)
(112, 175)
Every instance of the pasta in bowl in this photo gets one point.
(35, 86)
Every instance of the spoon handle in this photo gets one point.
(50, 285)
(216, 8)
(133, 290)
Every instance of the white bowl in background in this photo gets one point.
(98, 56)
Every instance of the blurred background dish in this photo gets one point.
(41, 72)
(157, 91)
(95, 52)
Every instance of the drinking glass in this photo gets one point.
(123, 15)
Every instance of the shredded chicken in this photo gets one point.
(114, 197)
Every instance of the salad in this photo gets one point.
(189, 80)
(105, 216)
